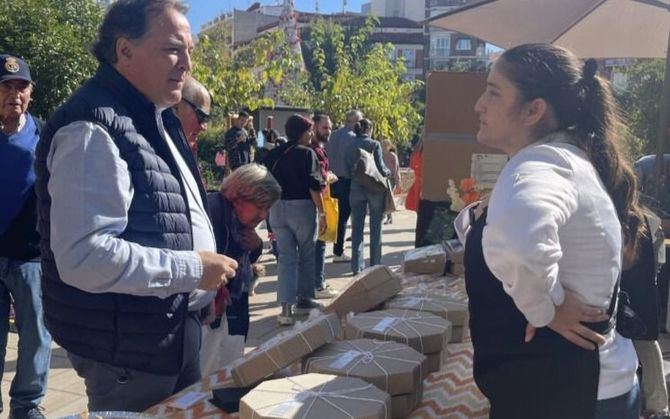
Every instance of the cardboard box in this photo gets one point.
(450, 125)
(454, 311)
(424, 332)
(403, 405)
(285, 349)
(455, 250)
(367, 290)
(457, 269)
(458, 334)
(313, 396)
(434, 361)
(426, 260)
(391, 366)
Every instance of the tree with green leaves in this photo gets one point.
(346, 70)
(54, 37)
(640, 104)
(241, 80)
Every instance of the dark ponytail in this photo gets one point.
(583, 105)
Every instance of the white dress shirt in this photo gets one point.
(552, 226)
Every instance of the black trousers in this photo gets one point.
(340, 190)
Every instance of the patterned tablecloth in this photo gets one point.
(449, 393)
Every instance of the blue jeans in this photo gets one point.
(20, 281)
(320, 260)
(626, 406)
(294, 226)
(375, 203)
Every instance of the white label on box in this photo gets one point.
(384, 324)
(286, 407)
(187, 400)
(411, 302)
(344, 359)
(485, 168)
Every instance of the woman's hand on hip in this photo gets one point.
(568, 320)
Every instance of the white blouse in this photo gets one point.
(552, 226)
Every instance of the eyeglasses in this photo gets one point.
(203, 117)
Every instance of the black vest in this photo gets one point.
(143, 333)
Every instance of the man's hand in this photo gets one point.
(250, 240)
(216, 270)
(332, 178)
(568, 319)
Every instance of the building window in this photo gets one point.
(410, 57)
(439, 46)
(463, 44)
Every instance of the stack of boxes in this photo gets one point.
(423, 332)
(454, 311)
(378, 372)
(392, 367)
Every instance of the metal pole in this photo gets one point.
(661, 138)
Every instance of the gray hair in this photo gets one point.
(252, 183)
(354, 114)
(194, 91)
(128, 19)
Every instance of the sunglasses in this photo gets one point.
(203, 117)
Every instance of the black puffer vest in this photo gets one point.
(143, 333)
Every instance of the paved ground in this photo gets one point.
(66, 393)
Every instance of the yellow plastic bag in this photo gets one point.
(332, 211)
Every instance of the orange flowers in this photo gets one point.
(469, 192)
(466, 193)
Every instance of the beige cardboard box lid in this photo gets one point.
(450, 286)
(316, 396)
(367, 290)
(391, 366)
(285, 349)
(426, 260)
(424, 332)
(454, 311)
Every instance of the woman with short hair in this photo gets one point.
(242, 202)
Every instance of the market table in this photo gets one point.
(449, 393)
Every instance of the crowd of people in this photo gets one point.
(111, 245)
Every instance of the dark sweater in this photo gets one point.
(19, 239)
(297, 170)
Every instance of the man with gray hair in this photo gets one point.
(20, 271)
(125, 232)
(337, 148)
(193, 111)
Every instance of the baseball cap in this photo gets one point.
(13, 68)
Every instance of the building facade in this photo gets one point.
(443, 50)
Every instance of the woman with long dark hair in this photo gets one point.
(544, 258)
